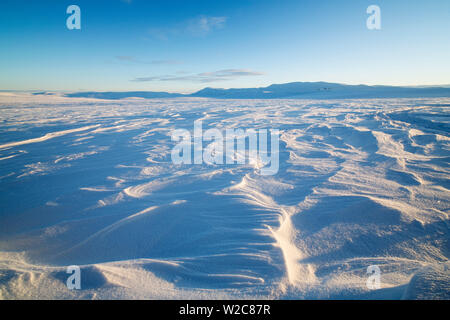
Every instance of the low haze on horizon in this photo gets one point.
(180, 46)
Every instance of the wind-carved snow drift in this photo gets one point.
(91, 183)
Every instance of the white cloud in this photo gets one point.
(221, 75)
(197, 27)
(133, 59)
(204, 25)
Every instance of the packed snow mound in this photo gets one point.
(91, 183)
(430, 283)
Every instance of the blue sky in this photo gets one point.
(187, 45)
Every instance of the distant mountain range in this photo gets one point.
(122, 95)
(292, 90)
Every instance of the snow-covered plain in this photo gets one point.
(91, 183)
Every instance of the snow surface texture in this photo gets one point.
(91, 183)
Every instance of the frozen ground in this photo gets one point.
(91, 183)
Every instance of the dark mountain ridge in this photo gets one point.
(292, 90)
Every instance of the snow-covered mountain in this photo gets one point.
(293, 90)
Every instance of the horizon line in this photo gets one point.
(442, 85)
